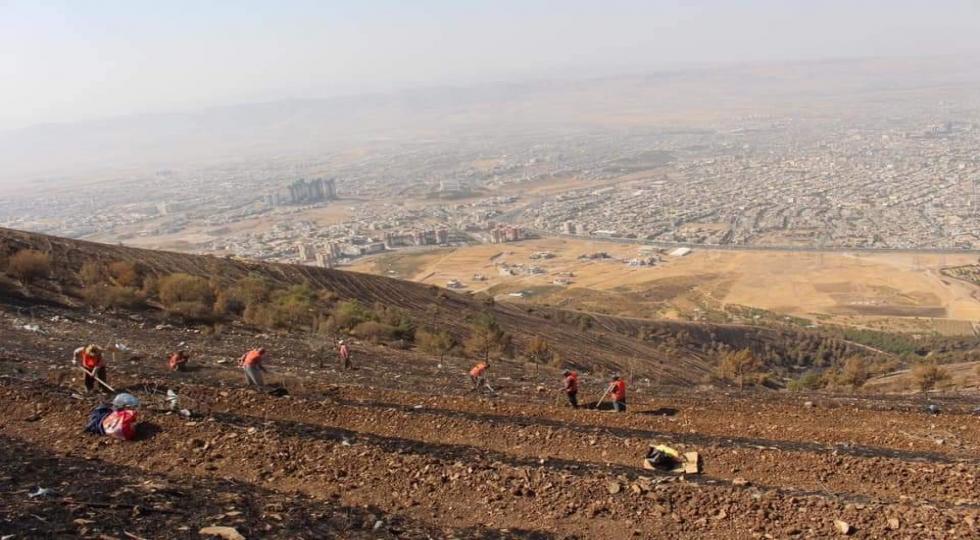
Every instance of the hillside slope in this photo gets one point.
(670, 352)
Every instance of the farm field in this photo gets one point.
(891, 291)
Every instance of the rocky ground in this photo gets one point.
(400, 448)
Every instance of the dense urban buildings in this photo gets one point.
(877, 181)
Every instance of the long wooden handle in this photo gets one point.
(94, 376)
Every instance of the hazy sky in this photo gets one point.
(71, 60)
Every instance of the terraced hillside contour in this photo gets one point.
(399, 448)
(670, 352)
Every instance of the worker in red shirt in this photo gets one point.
(90, 358)
(478, 375)
(343, 351)
(571, 387)
(251, 363)
(177, 361)
(617, 387)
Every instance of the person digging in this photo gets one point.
(177, 361)
(90, 360)
(478, 376)
(616, 389)
(571, 387)
(252, 364)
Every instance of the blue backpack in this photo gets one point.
(95, 419)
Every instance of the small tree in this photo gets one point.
(539, 351)
(432, 342)
(28, 265)
(486, 338)
(927, 375)
(737, 366)
(855, 372)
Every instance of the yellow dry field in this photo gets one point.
(901, 291)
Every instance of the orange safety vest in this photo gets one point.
(91, 361)
(252, 358)
(619, 390)
(571, 383)
(176, 359)
(478, 370)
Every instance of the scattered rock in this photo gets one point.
(741, 482)
(843, 527)
(808, 404)
(894, 524)
(613, 487)
(228, 533)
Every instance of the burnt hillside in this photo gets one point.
(671, 352)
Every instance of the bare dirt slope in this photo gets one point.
(399, 448)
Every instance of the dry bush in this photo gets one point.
(125, 274)
(7, 285)
(187, 295)
(740, 367)
(28, 265)
(928, 375)
(538, 351)
(375, 332)
(434, 342)
(92, 273)
(855, 372)
(111, 296)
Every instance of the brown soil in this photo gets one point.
(399, 448)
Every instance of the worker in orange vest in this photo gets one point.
(478, 376)
(91, 360)
(571, 387)
(617, 387)
(343, 351)
(251, 363)
(178, 360)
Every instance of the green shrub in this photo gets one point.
(349, 314)
(811, 380)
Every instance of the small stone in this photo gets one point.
(843, 527)
(740, 482)
(613, 487)
(893, 524)
(808, 404)
(228, 533)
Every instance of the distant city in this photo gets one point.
(878, 181)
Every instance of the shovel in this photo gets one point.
(602, 398)
(92, 374)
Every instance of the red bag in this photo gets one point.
(120, 424)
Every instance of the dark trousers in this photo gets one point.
(90, 381)
(619, 406)
(573, 399)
